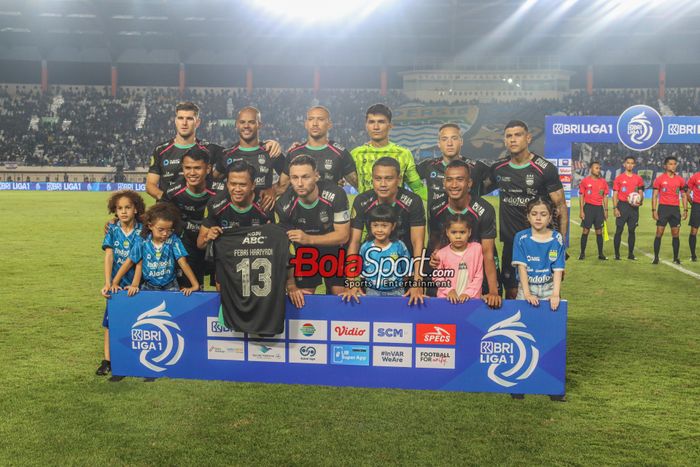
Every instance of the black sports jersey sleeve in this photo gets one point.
(251, 266)
(347, 163)
(278, 163)
(416, 213)
(154, 164)
(552, 182)
(423, 168)
(281, 209)
(358, 216)
(341, 213)
(487, 220)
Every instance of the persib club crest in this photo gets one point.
(640, 127)
(508, 350)
(158, 339)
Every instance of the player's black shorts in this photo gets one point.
(200, 267)
(670, 215)
(508, 278)
(628, 215)
(311, 282)
(694, 216)
(593, 216)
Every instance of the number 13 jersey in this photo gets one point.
(251, 266)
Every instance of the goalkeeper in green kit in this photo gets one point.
(378, 125)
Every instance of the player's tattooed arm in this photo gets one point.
(351, 178)
(559, 201)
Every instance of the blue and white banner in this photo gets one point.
(381, 343)
(70, 186)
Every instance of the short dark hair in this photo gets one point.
(629, 157)
(593, 163)
(458, 163)
(303, 159)
(379, 109)
(516, 123)
(382, 213)
(242, 166)
(670, 158)
(387, 162)
(189, 106)
(197, 154)
(450, 125)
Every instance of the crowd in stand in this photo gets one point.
(87, 126)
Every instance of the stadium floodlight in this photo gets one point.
(313, 11)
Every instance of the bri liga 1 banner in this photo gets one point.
(379, 343)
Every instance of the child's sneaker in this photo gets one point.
(105, 368)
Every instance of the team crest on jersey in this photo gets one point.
(261, 159)
(328, 164)
(126, 243)
(323, 217)
(529, 179)
(553, 254)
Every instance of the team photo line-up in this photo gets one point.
(378, 246)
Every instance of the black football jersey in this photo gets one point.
(251, 266)
(333, 161)
(331, 207)
(482, 213)
(192, 207)
(518, 185)
(433, 172)
(223, 213)
(408, 206)
(265, 165)
(166, 160)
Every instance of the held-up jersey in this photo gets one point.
(265, 165)
(408, 206)
(158, 263)
(483, 218)
(121, 243)
(331, 207)
(366, 155)
(593, 190)
(192, 207)
(333, 161)
(166, 160)
(541, 259)
(625, 185)
(433, 172)
(223, 213)
(251, 267)
(669, 189)
(518, 185)
(694, 187)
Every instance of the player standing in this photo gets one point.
(520, 178)
(694, 189)
(594, 192)
(315, 214)
(249, 150)
(667, 188)
(333, 161)
(625, 213)
(378, 125)
(433, 170)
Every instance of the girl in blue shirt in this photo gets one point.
(538, 255)
(155, 253)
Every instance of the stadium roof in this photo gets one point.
(397, 32)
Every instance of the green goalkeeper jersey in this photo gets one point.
(365, 156)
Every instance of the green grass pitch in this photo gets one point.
(632, 375)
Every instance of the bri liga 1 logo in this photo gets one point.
(157, 338)
(640, 127)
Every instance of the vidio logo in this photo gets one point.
(158, 339)
(510, 359)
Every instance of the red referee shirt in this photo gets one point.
(694, 187)
(669, 188)
(625, 185)
(593, 190)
